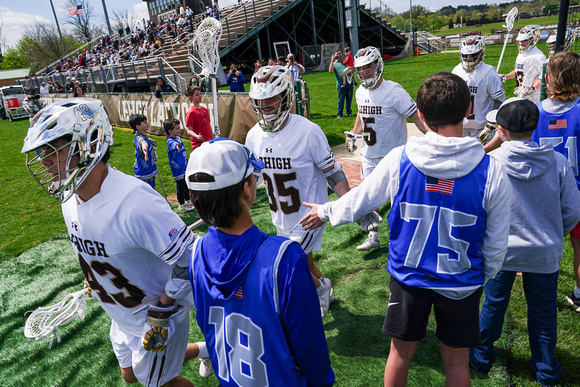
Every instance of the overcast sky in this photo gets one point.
(14, 14)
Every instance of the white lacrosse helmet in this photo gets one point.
(364, 57)
(568, 40)
(528, 37)
(473, 46)
(84, 124)
(269, 82)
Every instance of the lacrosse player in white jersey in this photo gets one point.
(529, 59)
(487, 92)
(383, 108)
(298, 164)
(133, 250)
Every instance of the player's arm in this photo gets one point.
(143, 148)
(178, 286)
(537, 83)
(510, 75)
(357, 124)
(497, 200)
(300, 315)
(420, 125)
(336, 179)
(493, 144)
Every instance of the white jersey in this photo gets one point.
(384, 111)
(524, 63)
(126, 238)
(484, 86)
(295, 158)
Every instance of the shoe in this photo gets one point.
(338, 116)
(189, 203)
(324, 295)
(184, 207)
(372, 241)
(205, 368)
(575, 301)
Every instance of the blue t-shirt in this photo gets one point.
(437, 227)
(177, 158)
(562, 131)
(144, 170)
(258, 310)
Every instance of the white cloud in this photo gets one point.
(140, 11)
(13, 24)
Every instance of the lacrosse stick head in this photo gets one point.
(272, 96)
(472, 52)
(44, 320)
(527, 38)
(568, 40)
(206, 45)
(65, 142)
(510, 18)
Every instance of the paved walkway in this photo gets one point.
(351, 161)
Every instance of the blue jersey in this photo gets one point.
(144, 170)
(258, 310)
(437, 227)
(177, 158)
(562, 131)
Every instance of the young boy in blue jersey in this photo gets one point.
(145, 166)
(448, 230)
(560, 126)
(256, 303)
(544, 208)
(177, 161)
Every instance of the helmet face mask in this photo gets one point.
(364, 60)
(527, 38)
(66, 141)
(471, 53)
(272, 96)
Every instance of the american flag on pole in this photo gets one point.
(439, 185)
(558, 124)
(76, 10)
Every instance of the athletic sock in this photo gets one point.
(576, 291)
(374, 233)
(203, 353)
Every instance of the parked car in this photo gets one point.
(12, 98)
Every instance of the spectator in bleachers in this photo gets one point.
(78, 92)
(58, 88)
(70, 86)
(162, 87)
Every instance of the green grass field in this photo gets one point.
(38, 267)
(486, 28)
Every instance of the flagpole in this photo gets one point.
(58, 27)
(107, 18)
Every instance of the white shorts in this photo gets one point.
(367, 165)
(151, 368)
(310, 240)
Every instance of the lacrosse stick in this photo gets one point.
(47, 319)
(510, 18)
(195, 224)
(351, 140)
(206, 47)
(525, 87)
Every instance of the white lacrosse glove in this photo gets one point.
(370, 221)
(157, 329)
(522, 91)
(487, 133)
(503, 78)
(350, 142)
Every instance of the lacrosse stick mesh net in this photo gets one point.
(47, 319)
(511, 18)
(206, 46)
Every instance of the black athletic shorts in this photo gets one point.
(408, 314)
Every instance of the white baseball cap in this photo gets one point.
(226, 160)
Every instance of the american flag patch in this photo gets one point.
(558, 124)
(439, 185)
(238, 293)
(172, 234)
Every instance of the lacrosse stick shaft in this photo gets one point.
(502, 51)
(161, 184)
(216, 127)
(195, 224)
